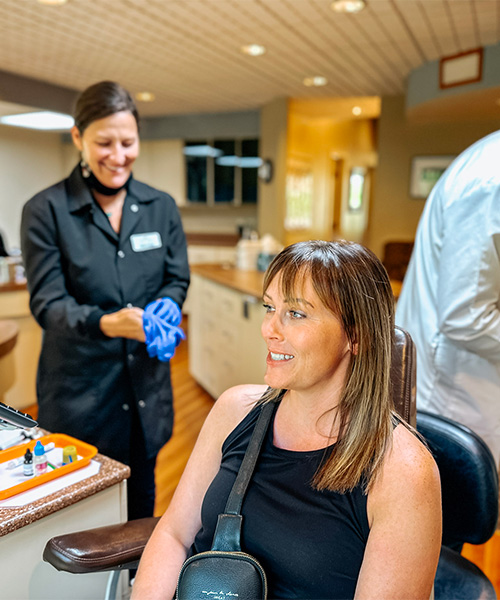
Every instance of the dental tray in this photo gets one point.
(13, 481)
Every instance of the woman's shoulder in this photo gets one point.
(232, 407)
(409, 450)
(144, 191)
(54, 190)
(409, 473)
(54, 195)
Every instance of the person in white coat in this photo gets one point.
(450, 301)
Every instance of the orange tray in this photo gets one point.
(84, 451)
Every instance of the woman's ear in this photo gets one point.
(354, 348)
(77, 138)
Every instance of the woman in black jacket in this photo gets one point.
(98, 247)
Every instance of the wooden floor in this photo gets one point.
(192, 404)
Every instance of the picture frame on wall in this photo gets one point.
(425, 172)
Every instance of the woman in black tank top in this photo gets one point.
(341, 504)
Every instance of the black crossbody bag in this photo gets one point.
(225, 572)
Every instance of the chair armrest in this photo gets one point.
(109, 548)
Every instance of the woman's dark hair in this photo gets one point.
(101, 100)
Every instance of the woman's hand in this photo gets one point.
(126, 323)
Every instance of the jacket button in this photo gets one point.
(130, 357)
(130, 305)
(134, 208)
(121, 253)
(142, 404)
(125, 406)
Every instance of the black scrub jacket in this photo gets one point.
(78, 268)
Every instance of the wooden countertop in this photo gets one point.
(247, 282)
(13, 286)
(111, 472)
(8, 336)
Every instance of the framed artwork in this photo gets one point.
(425, 171)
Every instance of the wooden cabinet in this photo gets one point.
(18, 369)
(225, 344)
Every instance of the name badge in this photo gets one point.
(145, 241)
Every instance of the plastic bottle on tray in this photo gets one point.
(40, 460)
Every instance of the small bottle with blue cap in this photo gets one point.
(39, 460)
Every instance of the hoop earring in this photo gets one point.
(85, 169)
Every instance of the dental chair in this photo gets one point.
(469, 489)
(117, 547)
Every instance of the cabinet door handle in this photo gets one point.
(247, 301)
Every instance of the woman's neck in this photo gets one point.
(112, 207)
(304, 422)
(109, 201)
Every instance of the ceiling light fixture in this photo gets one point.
(45, 120)
(356, 110)
(348, 6)
(244, 162)
(316, 81)
(253, 50)
(52, 2)
(145, 96)
(202, 151)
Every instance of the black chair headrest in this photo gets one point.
(469, 479)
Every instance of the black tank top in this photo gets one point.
(310, 543)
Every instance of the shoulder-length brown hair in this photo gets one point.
(352, 282)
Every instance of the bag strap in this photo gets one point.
(235, 500)
(228, 531)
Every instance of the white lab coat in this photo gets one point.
(451, 294)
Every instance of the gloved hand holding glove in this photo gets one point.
(160, 320)
(166, 309)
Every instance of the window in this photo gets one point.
(222, 172)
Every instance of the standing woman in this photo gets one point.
(98, 247)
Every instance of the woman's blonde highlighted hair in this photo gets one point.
(352, 282)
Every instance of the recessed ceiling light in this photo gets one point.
(52, 2)
(202, 150)
(145, 96)
(244, 162)
(45, 119)
(348, 6)
(253, 50)
(316, 81)
(356, 110)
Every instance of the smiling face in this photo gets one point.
(110, 146)
(308, 348)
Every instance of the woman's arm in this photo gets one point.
(168, 546)
(404, 512)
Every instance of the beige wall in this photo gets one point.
(29, 162)
(273, 146)
(394, 215)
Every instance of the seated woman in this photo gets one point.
(345, 499)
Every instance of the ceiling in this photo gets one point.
(187, 52)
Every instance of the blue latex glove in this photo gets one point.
(161, 337)
(166, 309)
(164, 344)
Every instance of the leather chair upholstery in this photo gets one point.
(469, 488)
(120, 546)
